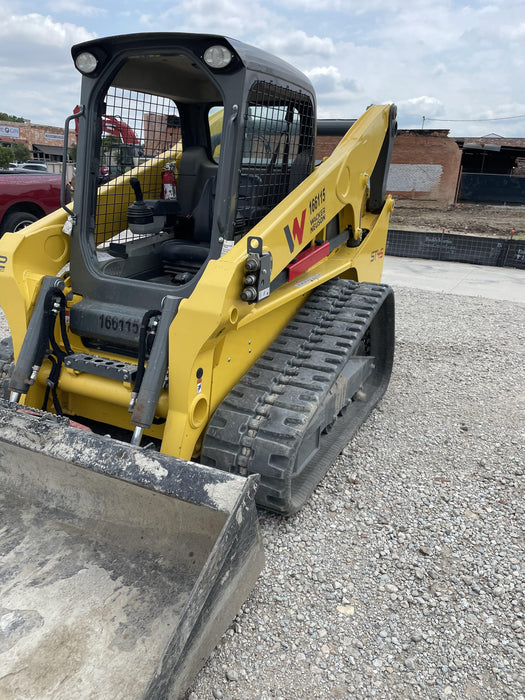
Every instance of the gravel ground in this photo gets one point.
(403, 576)
(465, 218)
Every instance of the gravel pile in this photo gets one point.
(403, 577)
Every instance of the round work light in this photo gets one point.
(86, 62)
(217, 56)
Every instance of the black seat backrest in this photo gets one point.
(195, 250)
(202, 215)
(195, 168)
(300, 168)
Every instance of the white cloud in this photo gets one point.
(36, 69)
(228, 17)
(429, 106)
(41, 30)
(513, 32)
(298, 43)
(316, 5)
(438, 58)
(439, 69)
(77, 7)
(328, 80)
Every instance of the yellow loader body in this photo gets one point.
(201, 330)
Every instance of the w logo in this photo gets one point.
(298, 231)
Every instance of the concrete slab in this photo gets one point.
(503, 283)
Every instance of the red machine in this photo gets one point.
(115, 127)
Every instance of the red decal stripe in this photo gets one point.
(306, 259)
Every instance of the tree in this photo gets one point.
(15, 152)
(21, 153)
(4, 117)
(6, 156)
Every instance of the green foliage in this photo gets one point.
(73, 153)
(21, 153)
(107, 142)
(16, 152)
(4, 117)
(6, 156)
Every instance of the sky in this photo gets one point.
(460, 65)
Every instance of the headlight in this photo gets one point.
(217, 56)
(86, 62)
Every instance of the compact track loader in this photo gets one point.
(202, 332)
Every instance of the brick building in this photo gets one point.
(45, 143)
(160, 130)
(425, 163)
(429, 165)
(425, 166)
(493, 154)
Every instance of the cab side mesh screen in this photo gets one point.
(135, 128)
(278, 151)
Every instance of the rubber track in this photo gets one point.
(259, 425)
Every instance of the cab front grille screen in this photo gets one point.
(278, 151)
(135, 129)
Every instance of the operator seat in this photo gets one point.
(201, 218)
(195, 169)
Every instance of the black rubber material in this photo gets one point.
(298, 406)
(16, 221)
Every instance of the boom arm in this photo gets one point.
(216, 323)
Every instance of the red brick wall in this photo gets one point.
(429, 163)
(325, 146)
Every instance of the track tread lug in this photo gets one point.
(275, 408)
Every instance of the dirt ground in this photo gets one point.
(475, 219)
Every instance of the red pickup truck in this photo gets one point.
(26, 197)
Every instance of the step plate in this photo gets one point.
(102, 366)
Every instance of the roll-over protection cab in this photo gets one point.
(233, 125)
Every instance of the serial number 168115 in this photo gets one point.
(118, 324)
(317, 201)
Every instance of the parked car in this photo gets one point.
(29, 167)
(25, 197)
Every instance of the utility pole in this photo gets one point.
(423, 124)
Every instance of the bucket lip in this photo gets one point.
(51, 435)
